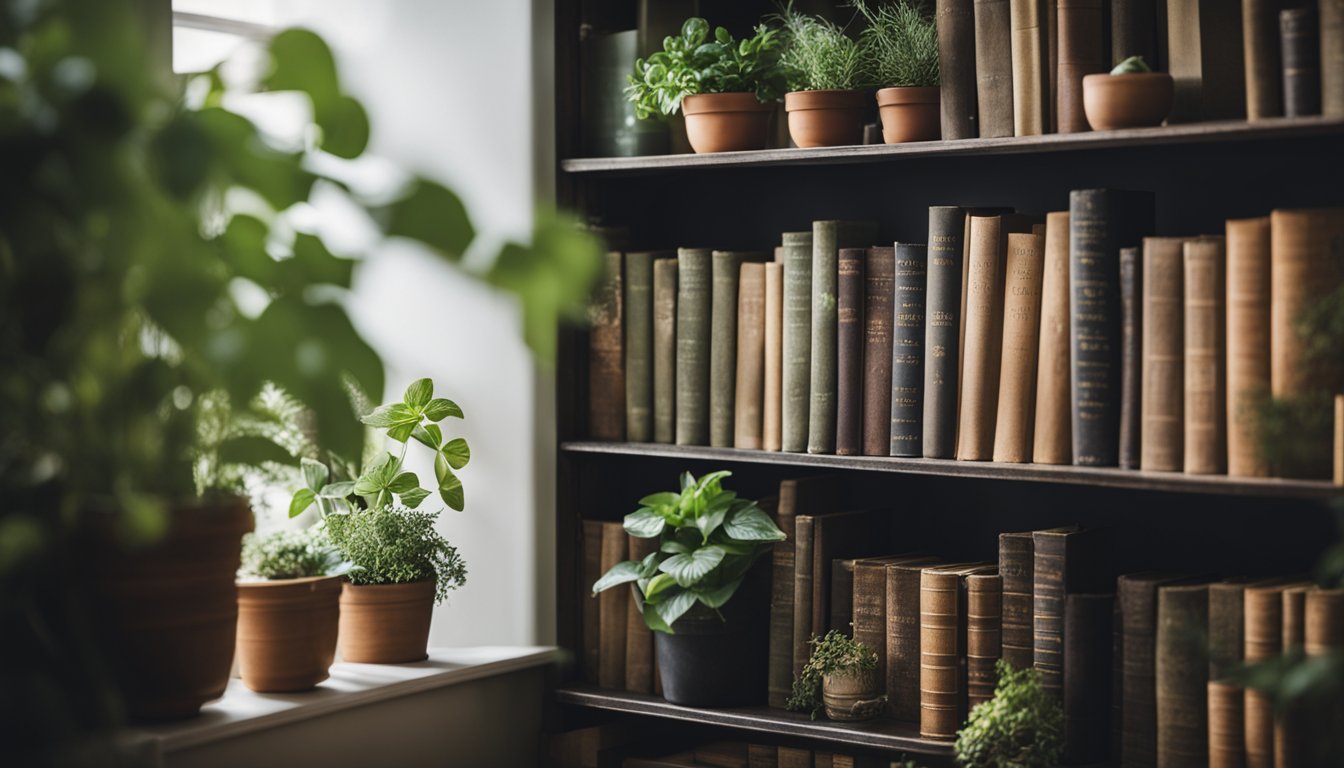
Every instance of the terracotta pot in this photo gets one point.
(1133, 100)
(386, 623)
(166, 616)
(909, 114)
(825, 118)
(726, 122)
(287, 632)
(852, 697)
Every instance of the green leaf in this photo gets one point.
(303, 498)
(450, 490)
(659, 499)
(315, 473)
(429, 435)
(712, 480)
(659, 584)
(655, 622)
(688, 569)
(311, 263)
(687, 482)
(456, 453)
(620, 573)
(715, 598)
(709, 520)
(440, 408)
(403, 483)
(434, 215)
(301, 61)
(401, 432)
(644, 523)
(337, 490)
(674, 547)
(674, 607)
(345, 126)
(413, 497)
(751, 523)
(390, 415)
(418, 394)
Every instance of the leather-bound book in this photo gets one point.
(1134, 31)
(805, 495)
(1080, 53)
(592, 571)
(1295, 618)
(802, 591)
(693, 328)
(1087, 677)
(903, 639)
(942, 648)
(1137, 595)
(1014, 416)
(796, 375)
(870, 602)
(906, 401)
(852, 534)
(1163, 403)
(664, 350)
(828, 237)
(841, 603)
(1101, 222)
(984, 338)
(984, 636)
(849, 346)
(1300, 39)
(1264, 640)
(1052, 436)
(638, 637)
(1260, 48)
(1227, 622)
(1205, 412)
(749, 395)
(1332, 58)
(994, 68)
(956, 65)
(726, 271)
(1247, 341)
(638, 308)
(1204, 51)
(762, 756)
(771, 417)
(1227, 735)
(942, 335)
(606, 356)
(879, 299)
(1066, 561)
(1324, 630)
(1182, 675)
(823, 759)
(793, 757)
(613, 606)
(1030, 59)
(1131, 356)
(1016, 567)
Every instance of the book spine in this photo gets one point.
(1088, 643)
(1260, 49)
(1264, 638)
(1016, 567)
(1031, 84)
(1294, 619)
(984, 637)
(771, 418)
(1080, 37)
(908, 336)
(956, 65)
(638, 637)
(1299, 37)
(825, 305)
(781, 667)
(762, 756)
(1134, 31)
(1052, 441)
(802, 591)
(1047, 632)
(1163, 403)
(984, 339)
(1138, 718)
(612, 618)
(591, 605)
(993, 68)
(664, 350)
(796, 375)
(840, 605)
(726, 272)
(749, 395)
(1247, 341)
(1226, 625)
(793, 757)
(606, 358)
(638, 307)
(1301, 244)
(849, 346)
(940, 653)
(942, 335)
(903, 642)
(1182, 675)
(1332, 57)
(879, 298)
(1205, 59)
(1227, 746)
(1205, 413)
(870, 610)
(1021, 335)
(1324, 622)
(693, 324)
(1131, 356)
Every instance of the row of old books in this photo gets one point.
(1016, 67)
(618, 648)
(623, 745)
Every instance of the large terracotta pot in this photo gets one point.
(287, 632)
(166, 616)
(853, 696)
(726, 122)
(909, 114)
(386, 623)
(825, 118)
(1131, 100)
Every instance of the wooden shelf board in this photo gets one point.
(1168, 482)
(1192, 133)
(876, 734)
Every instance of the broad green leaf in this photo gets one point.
(242, 157)
(401, 432)
(403, 483)
(337, 490)
(620, 573)
(674, 607)
(659, 499)
(413, 497)
(434, 215)
(345, 126)
(655, 622)
(441, 408)
(751, 523)
(301, 61)
(418, 394)
(688, 569)
(675, 547)
(649, 565)
(315, 473)
(710, 520)
(644, 523)
(429, 435)
(390, 415)
(715, 598)
(687, 482)
(303, 499)
(658, 584)
(712, 480)
(456, 453)
(450, 490)
(368, 484)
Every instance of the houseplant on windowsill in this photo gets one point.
(825, 73)
(841, 677)
(708, 644)
(725, 87)
(900, 50)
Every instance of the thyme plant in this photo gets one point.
(835, 653)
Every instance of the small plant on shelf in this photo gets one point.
(899, 48)
(1021, 727)
(841, 677)
(818, 54)
(291, 555)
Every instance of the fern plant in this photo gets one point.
(899, 47)
(818, 54)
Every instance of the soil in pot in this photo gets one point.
(909, 114)
(825, 118)
(386, 623)
(852, 697)
(287, 632)
(726, 122)
(713, 662)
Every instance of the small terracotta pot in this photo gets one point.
(825, 118)
(909, 114)
(852, 697)
(287, 632)
(386, 623)
(1132, 100)
(726, 122)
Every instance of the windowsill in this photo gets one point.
(242, 711)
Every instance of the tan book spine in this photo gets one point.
(1021, 335)
(903, 636)
(1324, 625)
(750, 377)
(1263, 610)
(612, 612)
(1031, 85)
(1294, 618)
(1052, 437)
(1182, 675)
(771, 419)
(984, 637)
(638, 637)
(1205, 413)
(983, 341)
(1302, 245)
(1227, 745)
(1247, 340)
(1163, 402)
(606, 355)
(940, 653)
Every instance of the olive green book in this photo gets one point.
(664, 350)
(638, 286)
(797, 340)
(828, 237)
(693, 323)
(725, 269)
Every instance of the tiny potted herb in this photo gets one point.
(1131, 96)
(825, 72)
(725, 87)
(841, 677)
(709, 651)
(288, 591)
(1021, 727)
(900, 49)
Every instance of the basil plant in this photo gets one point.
(709, 539)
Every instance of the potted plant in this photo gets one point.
(841, 677)
(900, 49)
(288, 587)
(1130, 96)
(709, 651)
(726, 88)
(825, 72)
(1021, 727)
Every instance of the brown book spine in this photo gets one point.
(1294, 618)
(1088, 643)
(1339, 441)
(1247, 341)
(1205, 59)
(1324, 621)
(1205, 412)
(1163, 402)
(879, 314)
(637, 307)
(781, 647)
(1021, 335)
(1052, 437)
(612, 618)
(1066, 561)
(638, 637)
(1080, 53)
(1137, 595)
(1227, 621)
(762, 756)
(1134, 31)
(1301, 246)
(903, 641)
(772, 418)
(664, 350)
(940, 653)
(606, 356)
(1031, 84)
(802, 591)
(870, 609)
(1264, 640)
(1260, 48)
(994, 68)
(956, 64)
(849, 353)
(1332, 58)
(841, 602)
(983, 340)
(793, 757)
(750, 378)
(1182, 676)
(1131, 356)
(1016, 556)
(984, 606)
(1299, 37)
(1227, 745)
(592, 571)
